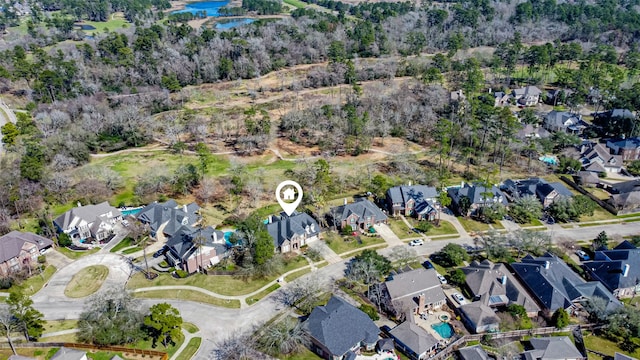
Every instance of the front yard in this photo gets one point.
(476, 226)
(341, 244)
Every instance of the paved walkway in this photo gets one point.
(58, 333)
(187, 336)
(389, 236)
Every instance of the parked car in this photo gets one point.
(159, 253)
(125, 223)
(459, 298)
(416, 242)
(416, 231)
(442, 279)
(427, 264)
(583, 255)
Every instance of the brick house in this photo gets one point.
(19, 250)
(361, 214)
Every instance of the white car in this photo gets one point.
(442, 279)
(416, 242)
(459, 298)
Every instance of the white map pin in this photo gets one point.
(289, 196)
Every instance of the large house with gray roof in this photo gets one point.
(496, 283)
(618, 269)
(562, 121)
(413, 291)
(628, 148)
(555, 285)
(546, 192)
(552, 348)
(89, 221)
(168, 217)
(527, 96)
(413, 200)
(291, 232)
(191, 249)
(361, 214)
(338, 330)
(479, 318)
(478, 196)
(413, 340)
(19, 250)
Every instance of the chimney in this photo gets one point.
(184, 208)
(625, 272)
(490, 90)
(345, 201)
(270, 218)
(421, 301)
(504, 280)
(546, 265)
(409, 182)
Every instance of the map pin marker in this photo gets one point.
(289, 196)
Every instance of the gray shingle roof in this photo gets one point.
(475, 352)
(284, 227)
(88, 213)
(555, 285)
(20, 357)
(169, 212)
(409, 285)
(414, 337)
(552, 348)
(421, 194)
(11, 244)
(182, 243)
(68, 354)
(628, 144)
(619, 356)
(609, 266)
(479, 314)
(340, 326)
(362, 208)
(478, 194)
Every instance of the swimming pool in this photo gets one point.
(549, 159)
(130, 211)
(443, 329)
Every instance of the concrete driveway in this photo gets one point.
(389, 236)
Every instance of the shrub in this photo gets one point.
(181, 273)
(42, 259)
(5, 282)
(370, 311)
(346, 230)
(64, 240)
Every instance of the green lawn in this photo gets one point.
(102, 355)
(605, 346)
(75, 255)
(124, 243)
(59, 325)
(445, 228)
(534, 222)
(191, 328)
(401, 229)
(190, 295)
(257, 297)
(190, 350)
(303, 354)
(148, 345)
(472, 225)
(296, 3)
(131, 250)
(599, 214)
(356, 253)
(33, 284)
(87, 281)
(341, 244)
(106, 26)
(297, 274)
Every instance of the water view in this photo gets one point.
(211, 7)
(231, 23)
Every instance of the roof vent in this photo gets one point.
(625, 272)
(504, 280)
(546, 265)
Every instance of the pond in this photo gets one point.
(86, 27)
(231, 23)
(211, 7)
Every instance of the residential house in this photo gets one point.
(416, 291)
(475, 352)
(168, 217)
(479, 318)
(69, 354)
(192, 248)
(495, 282)
(546, 192)
(338, 329)
(628, 202)
(555, 285)
(89, 221)
(19, 250)
(557, 96)
(529, 131)
(413, 340)
(361, 214)
(616, 356)
(291, 232)
(618, 269)
(527, 96)
(501, 98)
(552, 348)
(478, 196)
(586, 179)
(596, 158)
(629, 148)
(562, 121)
(413, 200)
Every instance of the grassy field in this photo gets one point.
(472, 225)
(75, 255)
(59, 325)
(340, 244)
(148, 344)
(445, 228)
(297, 274)
(296, 3)
(87, 281)
(534, 222)
(257, 297)
(401, 229)
(117, 21)
(356, 253)
(599, 214)
(190, 328)
(33, 284)
(190, 295)
(190, 350)
(303, 354)
(124, 243)
(605, 346)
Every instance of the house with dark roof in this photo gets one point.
(291, 232)
(527, 96)
(413, 200)
(89, 221)
(20, 250)
(69, 354)
(191, 249)
(475, 352)
(169, 216)
(618, 269)
(413, 340)
(552, 348)
(555, 285)
(501, 99)
(629, 148)
(557, 97)
(628, 202)
(596, 158)
(478, 196)
(413, 291)
(586, 178)
(618, 356)
(496, 283)
(361, 214)
(338, 330)
(562, 121)
(546, 192)
(478, 317)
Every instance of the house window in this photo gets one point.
(353, 220)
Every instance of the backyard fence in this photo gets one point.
(119, 349)
(582, 191)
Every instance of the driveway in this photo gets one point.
(325, 251)
(389, 236)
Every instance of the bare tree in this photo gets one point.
(237, 346)
(402, 255)
(8, 325)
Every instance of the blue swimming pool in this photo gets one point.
(131, 212)
(443, 329)
(549, 159)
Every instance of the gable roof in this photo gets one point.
(475, 352)
(555, 285)
(621, 113)
(599, 153)
(339, 326)
(169, 212)
(12, 243)
(527, 91)
(565, 120)
(68, 354)
(627, 144)
(617, 268)
(88, 213)
(476, 193)
(362, 208)
(407, 286)
(20, 357)
(626, 186)
(414, 337)
(491, 279)
(183, 245)
(479, 314)
(284, 227)
(552, 348)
